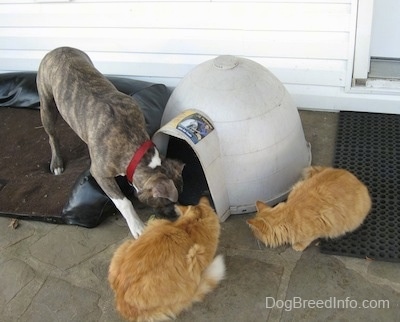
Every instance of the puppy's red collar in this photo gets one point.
(130, 170)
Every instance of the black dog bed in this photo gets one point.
(27, 188)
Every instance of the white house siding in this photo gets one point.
(308, 45)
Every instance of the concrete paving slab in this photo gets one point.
(64, 248)
(58, 300)
(15, 274)
(236, 234)
(236, 299)
(321, 287)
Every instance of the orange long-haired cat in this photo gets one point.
(170, 266)
(327, 203)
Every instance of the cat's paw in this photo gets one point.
(300, 246)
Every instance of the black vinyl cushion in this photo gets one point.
(19, 90)
(88, 205)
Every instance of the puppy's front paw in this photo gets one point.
(137, 229)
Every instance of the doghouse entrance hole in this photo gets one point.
(194, 181)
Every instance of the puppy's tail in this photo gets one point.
(210, 278)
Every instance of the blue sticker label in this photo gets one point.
(195, 126)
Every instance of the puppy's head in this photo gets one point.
(161, 187)
(158, 191)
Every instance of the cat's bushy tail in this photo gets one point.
(211, 277)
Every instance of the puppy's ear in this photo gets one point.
(261, 205)
(165, 190)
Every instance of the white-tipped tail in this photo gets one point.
(211, 276)
(216, 270)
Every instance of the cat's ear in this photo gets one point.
(172, 165)
(204, 201)
(180, 166)
(180, 209)
(261, 205)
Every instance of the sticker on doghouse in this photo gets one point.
(195, 126)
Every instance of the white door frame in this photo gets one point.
(358, 81)
(363, 39)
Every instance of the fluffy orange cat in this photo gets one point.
(327, 203)
(170, 266)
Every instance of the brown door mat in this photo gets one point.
(27, 188)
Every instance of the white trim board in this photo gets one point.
(336, 99)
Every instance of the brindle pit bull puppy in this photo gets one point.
(113, 127)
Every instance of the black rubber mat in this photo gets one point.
(368, 145)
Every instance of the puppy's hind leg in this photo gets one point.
(48, 114)
(123, 204)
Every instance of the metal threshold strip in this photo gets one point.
(384, 68)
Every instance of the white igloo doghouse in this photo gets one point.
(244, 128)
